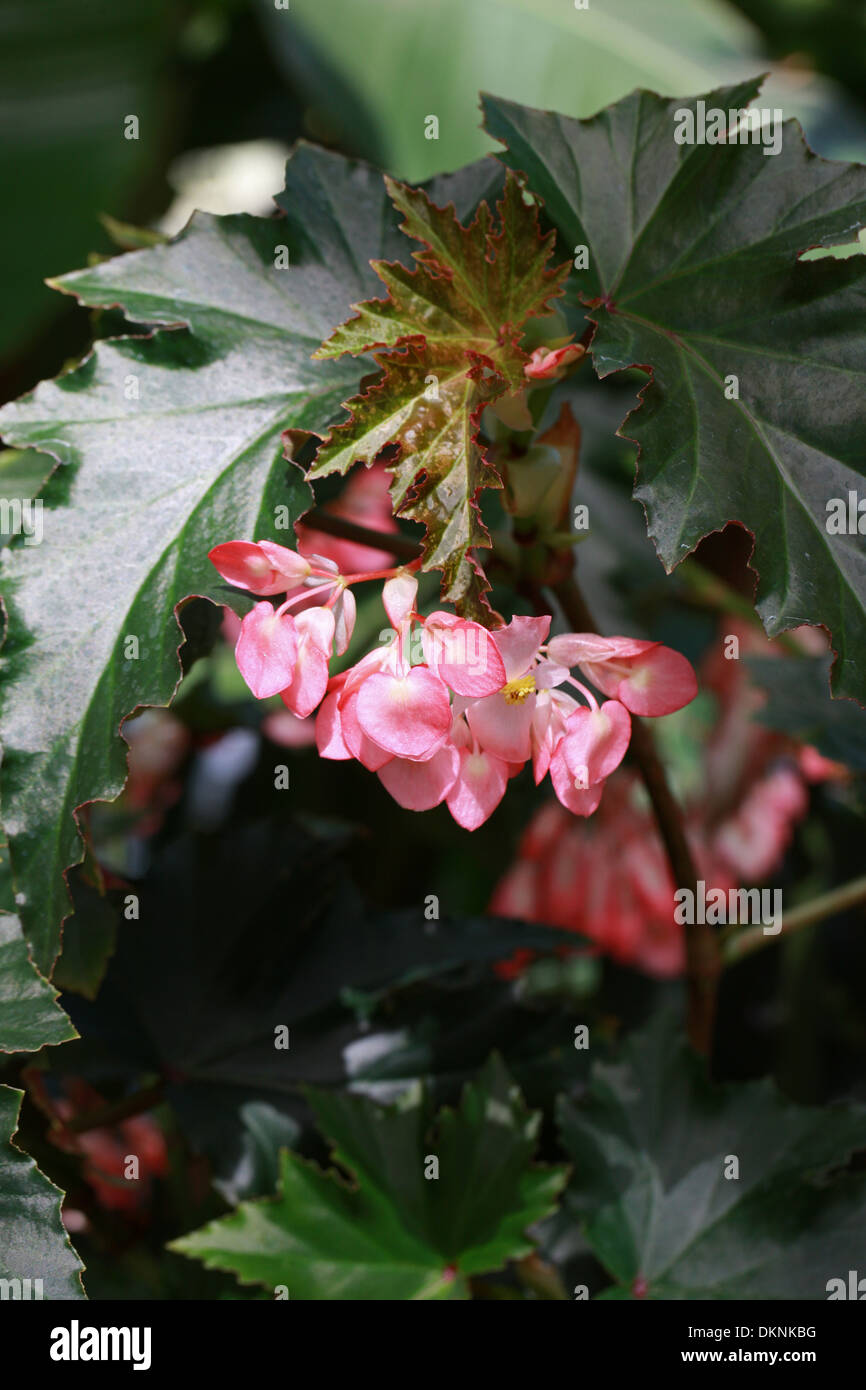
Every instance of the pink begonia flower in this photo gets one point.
(464, 654)
(586, 648)
(545, 363)
(644, 676)
(581, 801)
(480, 782)
(278, 654)
(267, 650)
(754, 839)
(594, 742)
(816, 768)
(408, 712)
(454, 716)
(502, 723)
(345, 612)
(329, 730)
(549, 718)
(339, 717)
(419, 786)
(261, 567)
(315, 635)
(398, 597)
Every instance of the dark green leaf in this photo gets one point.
(243, 931)
(35, 1246)
(650, 1145)
(89, 938)
(29, 1016)
(694, 299)
(395, 1233)
(799, 704)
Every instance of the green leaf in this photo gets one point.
(650, 1145)
(89, 939)
(694, 299)
(540, 52)
(457, 318)
(255, 928)
(169, 443)
(29, 1016)
(394, 1233)
(35, 1245)
(799, 704)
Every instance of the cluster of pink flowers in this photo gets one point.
(611, 881)
(446, 711)
(614, 886)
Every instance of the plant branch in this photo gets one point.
(400, 546)
(736, 945)
(703, 960)
(113, 1113)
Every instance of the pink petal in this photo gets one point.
(576, 648)
(329, 734)
(309, 684)
(315, 631)
(365, 500)
(293, 567)
(581, 802)
(463, 654)
(315, 628)
(345, 612)
(324, 563)
(418, 786)
(548, 726)
(478, 790)
(549, 362)
(368, 752)
(501, 728)
(267, 650)
(398, 596)
(519, 642)
(379, 659)
(595, 742)
(547, 676)
(253, 567)
(407, 714)
(604, 678)
(658, 682)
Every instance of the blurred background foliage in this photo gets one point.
(209, 75)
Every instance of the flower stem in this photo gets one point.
(703, 960)
(403, 547)
(738, 944)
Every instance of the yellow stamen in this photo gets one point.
(516, 691)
